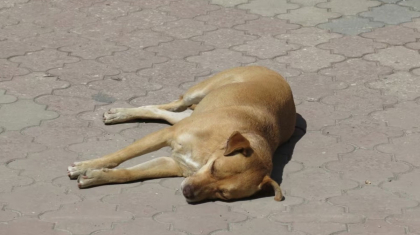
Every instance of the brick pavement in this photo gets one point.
(354, 66)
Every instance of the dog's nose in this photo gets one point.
(188, 192)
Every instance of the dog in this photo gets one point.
(224, 133)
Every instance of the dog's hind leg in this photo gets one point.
(147, 144)
(118, 115)
(156, 168)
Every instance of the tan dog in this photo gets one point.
(224, 147)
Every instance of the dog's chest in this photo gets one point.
(183, 154)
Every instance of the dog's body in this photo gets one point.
(224, 147)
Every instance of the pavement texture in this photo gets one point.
(353, 65)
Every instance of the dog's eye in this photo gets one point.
(212, 168)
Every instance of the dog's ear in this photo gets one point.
(238, 143)
(268, 181)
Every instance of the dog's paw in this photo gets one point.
(76, 169)
(91, 177)
(113, 116)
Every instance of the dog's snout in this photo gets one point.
(188, 192)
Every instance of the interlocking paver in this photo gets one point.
(10, 179)
(137, 227)
(146, 200)
(308, 36)
(352, 65)
(55, 40)
(6, 215)
(190, 218)
(184, 28)
(228, 3)
(92, 49)
(266, 47)
(317, 217)
(64, 20)
(44, 60)
(323, 184)
(409, 219)
(404, 148)
(179, 49)
(309, 16)
(261, 207)
(11, 143)
(188, 9)
(141, 39)
(308, 2)
(254, 226)
(66, 105)
(227, 17)
(112, 10)
(83, 72)
(391, 14)
(124, 86)
(146, 4)
(392, 116)
(411, 3)
(374, 227)
(99, 146)
(61, 132)
(26, 86)
(27, 226)
(372, 202)
(393, 34)
(319, 115)
(351, 25)
(220, 59)
(398, 57)
(359, 100)
(224, 38)
(268, 7)
(406, 185)
(83, 217)
(352, 46)
(36, 198)
(317, 86)
(356, 71)
(34, 165)
(173, 73)
(403, 85)
(349, 7)
(367, 166)
(132, 60)
(9, 48)
(310, 59)
(322, 148)
(23, 113)
(266, 26)
(363, 132)
(5, 99)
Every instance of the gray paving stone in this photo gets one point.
(185, 28)
(411, 3)
(220, 59)
(266, 26)
(309, 16)
(351, 25)
(391, 14)
(266, 47)
(394, 35)
(349, 7)
(26, 226)
(23, 113)
(352, 46)
(224, 38)
(403, 85)
(398, 57)
(227, 17)
(5, 99)
(410, 219)
(228, 3)
(308, 36)
(8, 70)
(268, 7)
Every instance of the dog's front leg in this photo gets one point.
(149, 143)
(156, 168)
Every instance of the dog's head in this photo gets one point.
(236, 171)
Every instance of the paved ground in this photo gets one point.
(354, 67)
